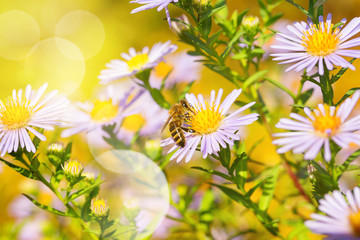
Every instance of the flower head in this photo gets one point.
(176, 68)
(73, 168)
(146, 120)
(99, 207)
(342, 219)
(135, 62)
(21, 112)
(210, 125)
(310, 44)
(106, 110)
(322, 124)
(159, 4)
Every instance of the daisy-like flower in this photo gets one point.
(342, 219)
(312, 44)
(103, 111)
(177, 68)
(149, 4)
(25, 110)
(310, 134)
(135, 62)
(147, 120)
(211, 125)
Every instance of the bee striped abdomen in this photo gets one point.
(176, 133)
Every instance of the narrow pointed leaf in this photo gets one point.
(268, 189)
(47, 208)
(20, 170)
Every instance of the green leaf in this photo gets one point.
(268, 189)
(234, 195)
(159, 98)
(225, 156)
(83, 191)
(253, 78)
(235, 39)
(186, 90)
(22, 171)
(48, 208)
(252, 190)
(35, 164)
(337, 76)
(68, 150)
(214, 172)
(200, 44)
(299, 7)
(57, 177)
(273, 19)
(322, 182)
(347, 94)
(222, 13)
(241, 170)
(241, 15)
(210, 42)
(211, 12)
(304, 97)
(343, 167)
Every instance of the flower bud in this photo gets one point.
(201, 5)
(250, 22)
(55, 152)
(72, 168)
(89, 176)
(99, 207)
(152, 148)
(56, 148)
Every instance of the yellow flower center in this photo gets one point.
(321, 42)
(138, 61)
(133, 122)
(206, 121)
(162, 70)
(355, 223)
(15, 114)
(99, 206)
(327, 124)
(104, 111)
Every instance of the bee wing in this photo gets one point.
(167, 121)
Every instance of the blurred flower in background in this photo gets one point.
(135, 62)
(107, 109)
(176, 68)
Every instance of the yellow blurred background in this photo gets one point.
(67, 42)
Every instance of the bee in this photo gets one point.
(179, 115)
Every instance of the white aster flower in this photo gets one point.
(310, 134)
(25, 110)
(109, 109)
(135, 62)
(315, 44)
(147, 120)
(177, 68)
(159, 4)
(211, 125)
(342, 219)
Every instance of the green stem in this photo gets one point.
(58, 195)
(326, 88)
